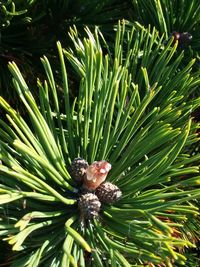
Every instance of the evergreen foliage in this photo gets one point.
(29, 29)
(132, 110)
(168, 17)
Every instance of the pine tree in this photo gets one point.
(133, 112)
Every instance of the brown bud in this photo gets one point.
(96, 174)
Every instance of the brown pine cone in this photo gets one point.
(78, 169)
(108, 193)
(89, 206)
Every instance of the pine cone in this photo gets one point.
(183, 38)
(89, 206)
(78, 169)
(108, 193)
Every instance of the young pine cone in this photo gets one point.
(96, 174)
(108, 193)
(89, 206)
(78, 169)
(183, 38)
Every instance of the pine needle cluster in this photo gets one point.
(132, 110)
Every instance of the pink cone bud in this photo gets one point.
(96, 174)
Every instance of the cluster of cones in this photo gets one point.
(94, 189)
